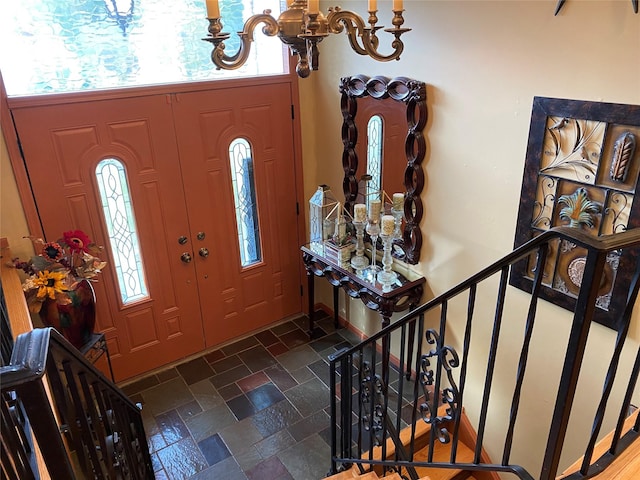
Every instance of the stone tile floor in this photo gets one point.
(256, 409)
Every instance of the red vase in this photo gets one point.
(76, 320)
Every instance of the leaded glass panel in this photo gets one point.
(121, 227)
(246, 207)
(62, 46)
(374, 156)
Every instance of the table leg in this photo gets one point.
(311, 294)
(109, 363)
(386, 350)
(412, 333)
(336, 307)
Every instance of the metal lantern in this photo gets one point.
(321, 227)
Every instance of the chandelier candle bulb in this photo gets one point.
(373, 5)
(213, 9)
(388, 224)
(397, 5)
(398, 201)
(314, 6)
(374, 210)
(360, 212)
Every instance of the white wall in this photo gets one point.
(483, 62)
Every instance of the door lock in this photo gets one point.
(203, 252)
(185, 257)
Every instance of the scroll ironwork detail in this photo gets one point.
(447, 360)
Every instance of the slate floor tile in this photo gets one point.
(167, 396)
(283, 328)
(214, 449)
(182, 459)
(252, 381)
(308, 397)
(209, 422)
(256, 409)
(307, 459)
(309, 425)
(172, 427)
(270, 468)
(265, 396)
(226, 363)
(230, 391)
(277, 349)
(227, 469)
(266, 338)
(295, 338)
(230, 376)
(241, 407)
(240, 345)
(275, 418)
(195, 370)
(240, 437)
(294, 359)
(275, 443)
(280, 377)
(257, 358)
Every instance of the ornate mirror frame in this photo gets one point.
(414, 94)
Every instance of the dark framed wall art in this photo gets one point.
(581, 170)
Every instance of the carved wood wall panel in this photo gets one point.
(581, 170)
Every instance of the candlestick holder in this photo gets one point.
(398, 214)
(387, 276)
(359, 262)
(373, 229)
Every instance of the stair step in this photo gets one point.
(352, 474)
(442, 453)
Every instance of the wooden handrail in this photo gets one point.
(20, 321)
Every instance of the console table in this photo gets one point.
(404, 294)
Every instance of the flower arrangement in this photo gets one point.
(58, 267)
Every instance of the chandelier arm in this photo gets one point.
(235, 61)
(338, 20)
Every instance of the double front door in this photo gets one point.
(185, 188)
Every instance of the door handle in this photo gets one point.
(185, 257)
(203, 252)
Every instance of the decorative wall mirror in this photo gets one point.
(401, 105)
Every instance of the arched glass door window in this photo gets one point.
(374, 157)
(121, 227)
(244, 195)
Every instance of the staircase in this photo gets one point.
(399, 414)
(441, 454)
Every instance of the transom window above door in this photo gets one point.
(53, 46)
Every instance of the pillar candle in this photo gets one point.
(388, 225)
(398, 201)
(314, 6)
(213, 9)
(360, 212)
(374, 210)
(373, 5)
(397, 5)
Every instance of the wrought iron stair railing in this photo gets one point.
(374, 386)
(84, 426)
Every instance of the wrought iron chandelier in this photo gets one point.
(302, 27)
